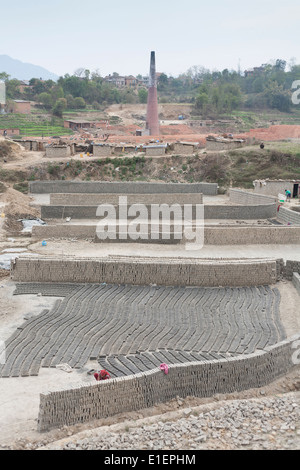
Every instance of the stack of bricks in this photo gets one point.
(188, 272)
(136, 187)
(85, 403)
(296, 281)
(225, 235)
(247, 198)
(251, 235)
(94, 199)
(290, 268)
(210, 211)
(288, 216)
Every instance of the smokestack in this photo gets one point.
(152, 122)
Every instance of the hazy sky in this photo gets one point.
(118, 35)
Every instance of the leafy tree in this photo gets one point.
(70, 102)
(201, 102)
(59, 107)
(79, 103)
(12, 90)
(4, 76)
(143, 95)
(46, 99)
(277, 97)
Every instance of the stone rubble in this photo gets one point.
(268, 423)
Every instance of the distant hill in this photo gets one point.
(23, 71)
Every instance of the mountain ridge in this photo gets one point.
(19, 70)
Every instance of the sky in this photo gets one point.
(118, 36)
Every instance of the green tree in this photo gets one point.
(4, 76)
(143, 95)
(277, 97)
(201, 102)
(46, 99)
(70, 102)
(79, 103)
(59, 107)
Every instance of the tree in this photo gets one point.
(59, 107)
(80, 72)
(4, 76)
(201, 102)
(280, 64)
(70, 102)
(143, 95)
(79, 103)
(12, 89)
(46, 99)
(277, 97)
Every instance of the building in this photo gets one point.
(223, 143)
(23, 85)
(59, 151)
(102, 150)
(130, 81)
(185, 148)
(10, 132)
(155, 150)
(78, 124)
(276, 187)
(20, 107)
(116, 80)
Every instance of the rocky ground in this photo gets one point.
(268, 423)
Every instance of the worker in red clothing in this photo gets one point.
(103, 375)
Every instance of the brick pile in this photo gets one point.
(144, 272)
(200, 379)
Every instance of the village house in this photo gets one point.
(19, 107)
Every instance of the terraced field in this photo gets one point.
(31, 125)
(130, 329)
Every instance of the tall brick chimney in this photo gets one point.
(152, 122)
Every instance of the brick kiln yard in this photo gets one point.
(131, 329)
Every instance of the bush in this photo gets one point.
(79, 103)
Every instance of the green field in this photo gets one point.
(34, 125)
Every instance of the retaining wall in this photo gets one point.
(210, 212)
(46, 187)
(273, 235)
(187, 272)
(239, 196)
(85, 403)
(57, 199)
(288, 216)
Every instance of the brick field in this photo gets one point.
(132, 329)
